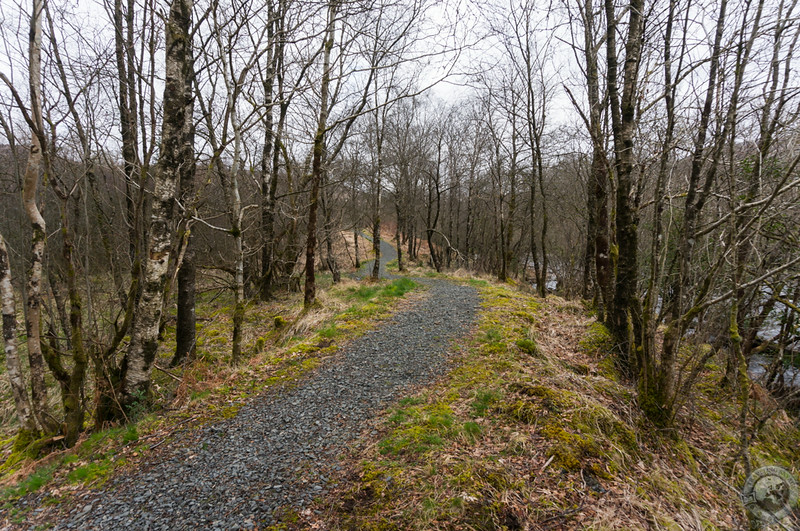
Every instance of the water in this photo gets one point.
(757, 370)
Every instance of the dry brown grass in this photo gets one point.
(561, 446)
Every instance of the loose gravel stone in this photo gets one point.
(282, 448)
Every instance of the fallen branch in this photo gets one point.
(168, 373)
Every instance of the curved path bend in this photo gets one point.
(282, 449)
(388, 253)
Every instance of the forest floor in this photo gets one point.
(475, 406)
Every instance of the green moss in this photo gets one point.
(568, 450)
(597, 340)
(131, 434)
(420, 428)
(492, 335)
(529, 346)
(524, 316)
(229, 412)
(602, 424)
(608, 369)
(260, 343)
(200, 395)
(579, 368)
(26, 445)
(666, 489)
(600, 471)
(329, 331)
(652, 403)
(685, 455)
(553, 400)
(310, 363)
(93, 472)
(520, 411)
(24, 440)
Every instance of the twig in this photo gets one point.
(165, 371)
(564, 514)
(162, 441)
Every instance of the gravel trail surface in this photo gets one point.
(282, 449)
(388, 253)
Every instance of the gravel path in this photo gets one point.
(282, 450)
(388, 253)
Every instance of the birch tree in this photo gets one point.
(144, 334)
(33, 170)
(27, 421)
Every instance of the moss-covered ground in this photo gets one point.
(533, 429)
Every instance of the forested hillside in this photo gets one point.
(190, 188)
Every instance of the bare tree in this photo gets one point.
(318, 153)
(623, 118)
(144, 334)
(33, 318)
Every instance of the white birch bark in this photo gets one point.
(144, 337)
(38, 228)
(15, 377)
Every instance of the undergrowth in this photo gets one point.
(533, 429)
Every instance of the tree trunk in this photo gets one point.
(659, 378)
(28, 428)
(355, 243)
(71, 382)
(38, 229)
(268, 191)
(310, 292)
(185, 340)
(400, 266)
(590, 287)
(330, 259)
(378, 183)
(127, 112)
(144, 337)
(432, 220)
(623, 115)
(660, 386)
(376, 241)
(238, 300)
(543, 233)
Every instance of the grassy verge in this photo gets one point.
(532, 429)
(282, 343)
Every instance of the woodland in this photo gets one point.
(640, 155)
